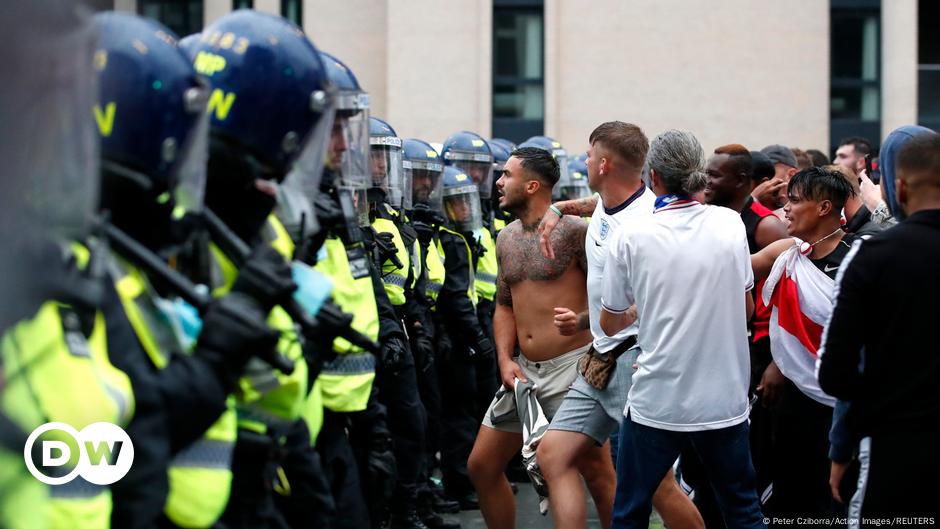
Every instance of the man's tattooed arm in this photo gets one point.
(568, 243)
(503, 293)
(579, 234)
(581, 207)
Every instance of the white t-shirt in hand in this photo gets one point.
(687, 269)
(605, 224)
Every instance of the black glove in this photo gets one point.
(423, 213)
(423, 350)
(267, 277)
(234, 329)
(386, 251)
(425, 232)
(393, 354)
(381, 469)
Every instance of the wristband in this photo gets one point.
(557, 211)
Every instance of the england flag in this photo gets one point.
(800, 296)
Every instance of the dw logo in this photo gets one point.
(101, 453)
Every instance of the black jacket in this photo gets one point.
(889, 369)
(862, 225)
(454, 306)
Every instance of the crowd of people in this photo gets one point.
(301, 319)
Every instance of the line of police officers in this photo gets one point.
(213, 245)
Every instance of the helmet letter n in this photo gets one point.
(220, 103)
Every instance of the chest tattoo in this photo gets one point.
(520, 256)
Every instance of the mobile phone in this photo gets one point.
(868, 169)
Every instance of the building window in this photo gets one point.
(242, 4)
(518, 69)
(928, 70)
(855, 60)
(293, 10)
(184, 17)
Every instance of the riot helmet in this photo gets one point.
(461, 200)
(423, 168)
(188, 44)
(385, 154)
(560, 155)
(271, 113)
(504, 143)
(152, 121)
(577, 185)
(470, 153)
(349, 143)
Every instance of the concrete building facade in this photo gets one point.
(801, 72)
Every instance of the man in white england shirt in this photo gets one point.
(588, 415)
(686, 277)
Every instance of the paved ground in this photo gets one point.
(527, 513)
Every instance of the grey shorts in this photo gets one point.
(553, 378)
(593, 412)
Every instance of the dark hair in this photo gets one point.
(625, 139)
(818, 158)
(817, 183)
(740, 158)
(921, 154)
(540, 162)
(763, 167)
(861, 145)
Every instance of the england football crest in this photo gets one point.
(605, 228)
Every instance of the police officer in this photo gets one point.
(471, 154)
(354, 441)
(423, 169)
(262, 128)
(153, 128)
(397, 380)
(54, 365)
(466, 353)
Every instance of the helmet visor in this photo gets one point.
(48, 138)
(349, 140)
(426, 182)
(190, 173)
(462, 207)
(307, 168)
(295, 211)
(386, 168)
(480, 172)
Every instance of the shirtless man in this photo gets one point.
(538, 285)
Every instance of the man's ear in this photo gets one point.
(900, 192)
(532, 187)
(825, 207)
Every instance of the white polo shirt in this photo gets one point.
(605, 224)
(687, 269)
